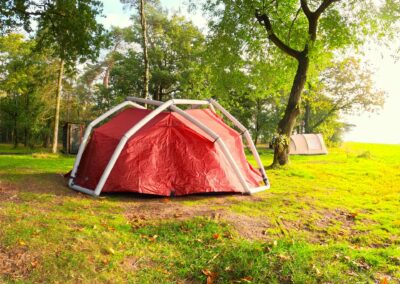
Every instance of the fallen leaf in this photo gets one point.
(247, 279)
(210, 275)
(153, 238)
(34, 263)
(384, 280)
(317, 271)
(284, 257)
(166, 200)
(352, 273)
(22, 243)
(352, 215)
(228, 235)
(215, 236)
(215, 216)
(111, 250)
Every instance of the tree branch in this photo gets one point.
(263, 19)
(324, 117)
(292, 24)
(324, 5)
(305, 8)
(314, 16)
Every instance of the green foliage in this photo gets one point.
(344, 87)
(177, 69)
(27, 86)
(67, 28)
(241, 42)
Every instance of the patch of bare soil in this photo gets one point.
(45, 183)
(318, 222)
(8, 192)
(16, 263)
(141, 214)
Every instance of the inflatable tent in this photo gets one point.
(166, 151)
(307, 144)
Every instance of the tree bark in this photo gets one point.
(15, 132)
(292, 111)
(57, 110)
(15, 116)
(257, 122)
(26, 128)
(307, 117)
(144, 46)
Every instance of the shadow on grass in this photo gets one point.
(56, 184)
(40, 183)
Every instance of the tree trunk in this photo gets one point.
(57, 111)
(257, 122)
(68, 116)
(292, 111)
(15, 116)
(15, 132)
(307, 117)
(106, 79)
(26, 128)
(144, 46)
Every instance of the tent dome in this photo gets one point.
(167, 156)
(307, 144)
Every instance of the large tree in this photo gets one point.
(140, 6)
(305, 30)
(68, 28)
(176, 50)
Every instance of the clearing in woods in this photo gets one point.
(333, 218)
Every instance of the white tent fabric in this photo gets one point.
(307, 144)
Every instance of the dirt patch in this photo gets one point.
(142, 214)
(317, 224)
(8, 192)
(46, 184)
(17, 263)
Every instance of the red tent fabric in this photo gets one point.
(168, 156)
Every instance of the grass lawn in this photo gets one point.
(326, 219)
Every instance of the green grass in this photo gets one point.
(10, 149)
(326, 219)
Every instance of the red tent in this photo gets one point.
(167, 155)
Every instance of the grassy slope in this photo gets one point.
(331, 218)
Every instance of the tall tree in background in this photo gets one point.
(140, 5)
(302, 56)
(68, 28)
(303, 30)
(176, 60)
(144, 46)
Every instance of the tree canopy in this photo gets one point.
(279, 66)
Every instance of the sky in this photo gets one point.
(379, 127)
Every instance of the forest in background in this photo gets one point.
(102, 67)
